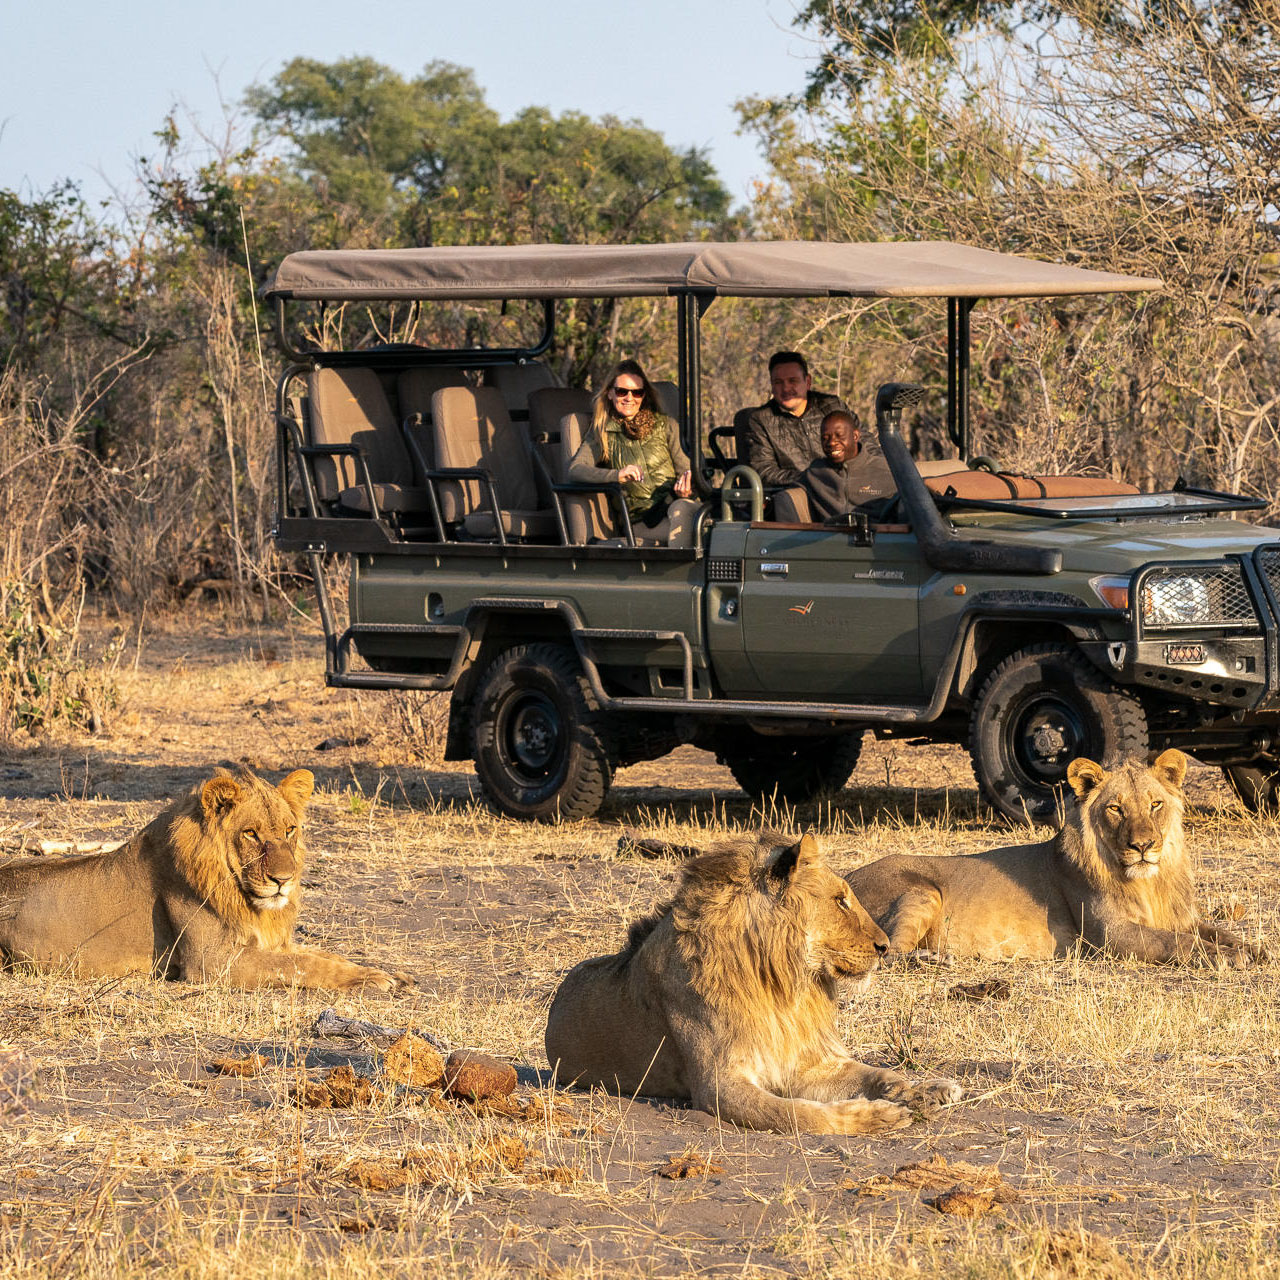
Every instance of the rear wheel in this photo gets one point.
(1040, 709)
(791, 768)
(538, 739)
(1257, 785)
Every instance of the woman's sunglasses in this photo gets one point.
(636, 393)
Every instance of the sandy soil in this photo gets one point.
(1132, 1110)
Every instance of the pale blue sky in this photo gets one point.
(84, 84)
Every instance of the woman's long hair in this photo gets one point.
(602, 406)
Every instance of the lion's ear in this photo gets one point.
(1171, 767)
(804, 851)
(296, 789)
(218, 795)
(1083, 776)
(807, 851)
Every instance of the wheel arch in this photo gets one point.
(493, 631)
(991, 638)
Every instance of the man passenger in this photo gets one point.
(781, 436)
(847, 477)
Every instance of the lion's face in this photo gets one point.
(1132, 811)
(258, 827)
(843, 940)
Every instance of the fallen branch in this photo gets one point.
(329, 1023)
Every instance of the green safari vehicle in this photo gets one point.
(1033, 619)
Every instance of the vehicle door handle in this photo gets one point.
(774, 568)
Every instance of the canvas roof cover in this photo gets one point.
(745, 269)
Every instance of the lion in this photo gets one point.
(1115, 878)
(726, 996)
(208, 890)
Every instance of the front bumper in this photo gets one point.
(1236, 666)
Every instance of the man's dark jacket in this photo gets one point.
(777, 444)
(861, 484)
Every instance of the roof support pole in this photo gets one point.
(692, 307)
(958, 372)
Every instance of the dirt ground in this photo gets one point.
(1119, 1119)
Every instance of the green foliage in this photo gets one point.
(427, 161)
(858, 37)
(42, 679)
(55, 270)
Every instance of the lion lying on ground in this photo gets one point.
(1116, 876)
(209, 890)
(726, 995)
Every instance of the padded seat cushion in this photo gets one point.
(390, 498)
(1005, 486)
(515, 524)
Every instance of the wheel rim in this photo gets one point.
(531, 738)
(1044, 737)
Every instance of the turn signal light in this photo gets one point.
(1114, 592)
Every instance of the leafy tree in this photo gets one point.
(857, 37)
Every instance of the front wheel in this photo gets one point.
(790, 768)
(1257, 785)
(1040, 709)
(538, 739)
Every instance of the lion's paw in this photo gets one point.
(924, 1095)
(379, 980)
(863, 1115)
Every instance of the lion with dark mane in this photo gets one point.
(208, 891)
(1115, 877)
(726, 996)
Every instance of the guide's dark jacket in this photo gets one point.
(778, 444)
(861, 484)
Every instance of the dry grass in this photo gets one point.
(1133, 1109)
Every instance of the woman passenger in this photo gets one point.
(634, 444)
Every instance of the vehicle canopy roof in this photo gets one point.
(744, 269)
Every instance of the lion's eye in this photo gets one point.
(290, 832)
(1156, 805)
(843, 903)
(1115, 809)
(250, 834)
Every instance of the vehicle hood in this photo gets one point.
(1110, 546)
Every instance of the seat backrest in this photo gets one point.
(349, 406)
(587, 515)
(547, 406)
(668, 398)
(472, 428)
(414, 389)
(518, 382)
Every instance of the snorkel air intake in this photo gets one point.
(943, 548)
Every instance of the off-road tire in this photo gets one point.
(1256, 785)
(790, 769)
(1041, 708)
(537, 736)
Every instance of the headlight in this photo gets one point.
(1173, 602)
(1205, 597)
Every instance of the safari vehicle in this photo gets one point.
(1034, 619)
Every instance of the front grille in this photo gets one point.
(720, 570)
(1174, 598)
(1268, 562)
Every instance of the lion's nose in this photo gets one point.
(1140, 846)
(882, 948)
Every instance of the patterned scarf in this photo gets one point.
(637, 428)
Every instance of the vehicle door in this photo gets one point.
(825, 618)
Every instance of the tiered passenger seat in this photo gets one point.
(474, 434)
(360, 459)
